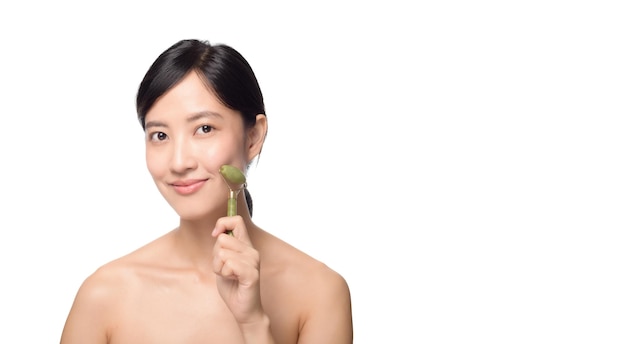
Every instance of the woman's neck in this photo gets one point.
(194, 241)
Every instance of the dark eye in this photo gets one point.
(204, 129)
(158, 136)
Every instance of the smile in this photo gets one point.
(188, 187)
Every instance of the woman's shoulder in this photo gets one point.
(307, 289)
(290, 266)
(105, 282)
(101, 297)
(96, 300)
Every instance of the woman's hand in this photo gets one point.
(236, 264)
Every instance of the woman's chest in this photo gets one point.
(189, 314)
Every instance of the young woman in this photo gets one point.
(201, 107)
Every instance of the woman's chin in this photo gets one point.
(197, 214)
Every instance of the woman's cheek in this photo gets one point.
(155, 162)
(212, 157)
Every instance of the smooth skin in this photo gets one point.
(195, 284)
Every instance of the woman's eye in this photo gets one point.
(158, 136)
(204, 129)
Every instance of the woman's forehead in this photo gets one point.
(190, 98)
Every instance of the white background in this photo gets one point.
(460, 163)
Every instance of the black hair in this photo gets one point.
(225, 71)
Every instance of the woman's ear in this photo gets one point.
(256, 137)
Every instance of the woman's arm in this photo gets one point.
(329, 320)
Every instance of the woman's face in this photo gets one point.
(189, 135)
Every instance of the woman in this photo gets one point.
(201, 107)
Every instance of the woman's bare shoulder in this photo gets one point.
(99, 298)
(308, 289)
(105, 282)
(280, 255)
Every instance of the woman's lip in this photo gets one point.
(188, 187)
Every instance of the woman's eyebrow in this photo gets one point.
(203, 114)
(194, 117)
(153, 124)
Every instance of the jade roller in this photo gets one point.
(236, 181)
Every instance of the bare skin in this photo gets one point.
(196, 284)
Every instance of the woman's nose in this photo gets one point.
(183, 158)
